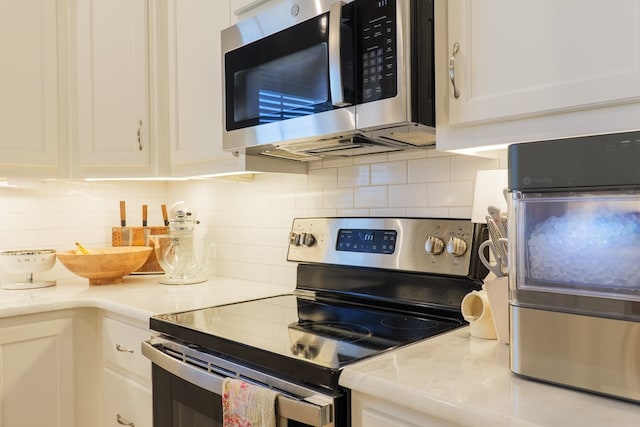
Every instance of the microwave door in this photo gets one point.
(280, 87)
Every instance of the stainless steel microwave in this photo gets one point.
(308, 79)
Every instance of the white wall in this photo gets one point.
(249, 221)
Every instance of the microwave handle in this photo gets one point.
(289, 408)
(335, 70)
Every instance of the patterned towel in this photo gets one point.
(245, 405)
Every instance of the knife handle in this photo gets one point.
(144, 215)
(165, 215)
(123, 214)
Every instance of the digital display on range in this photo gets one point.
(369, 241)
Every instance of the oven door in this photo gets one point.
(187, 390)
(288, 75)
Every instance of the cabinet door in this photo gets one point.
(31, 88)
(121, 347)
(195, 84)
(242, 9)
(112, 110)
(521, 59)
(36, 374)
(126, 402)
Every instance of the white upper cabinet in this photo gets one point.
(241, 9)
(195, 84)
(194, 98)
(113, 121)
(536, 69)
(32, 88)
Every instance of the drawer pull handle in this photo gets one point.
(123, 349)
(124, 422)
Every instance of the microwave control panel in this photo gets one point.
(377, 47)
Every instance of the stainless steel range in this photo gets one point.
(364, 286)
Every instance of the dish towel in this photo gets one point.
(246, 405)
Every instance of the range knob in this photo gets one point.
(301, 239)
(456, 246)
(294, 238)
(434, 245)
(307, 239)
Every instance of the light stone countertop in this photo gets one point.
(454, 376)
(138, 297)
(467, 381)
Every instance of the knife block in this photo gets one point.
(139, 236)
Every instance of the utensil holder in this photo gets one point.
(497, 290)
(139, 236)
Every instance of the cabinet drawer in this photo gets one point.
(121, 346)
(126, 402)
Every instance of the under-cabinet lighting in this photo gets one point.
(6, 183)
(478, 151)
(140, 179)
(240, 176)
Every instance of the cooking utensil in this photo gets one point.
(496, 236)
(497, 216)
(487, 251)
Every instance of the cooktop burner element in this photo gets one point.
(364, 286)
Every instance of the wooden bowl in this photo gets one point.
(105, 266)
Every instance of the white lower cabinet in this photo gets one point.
(36, 373)
(126, 375)
(370, 411)
(126, 402)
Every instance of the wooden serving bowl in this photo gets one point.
(105, 266)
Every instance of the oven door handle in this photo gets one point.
(315, 414)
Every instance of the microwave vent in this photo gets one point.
(417, 138)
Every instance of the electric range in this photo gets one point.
(364, 286)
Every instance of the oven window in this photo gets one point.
(178, 403)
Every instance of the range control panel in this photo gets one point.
(438, 246)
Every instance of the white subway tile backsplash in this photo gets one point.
(371, 197)
(436, 212)
(465, 167)
(352, 212)
(353, 176)
(389, 173)
(408, 195)
(323, 178)
(248, 220)
(458, 193)
(338, 198)
(434, 169)
(388, 212)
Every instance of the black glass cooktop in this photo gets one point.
(303, 338)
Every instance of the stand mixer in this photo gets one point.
(28, 262)
(183, 252)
